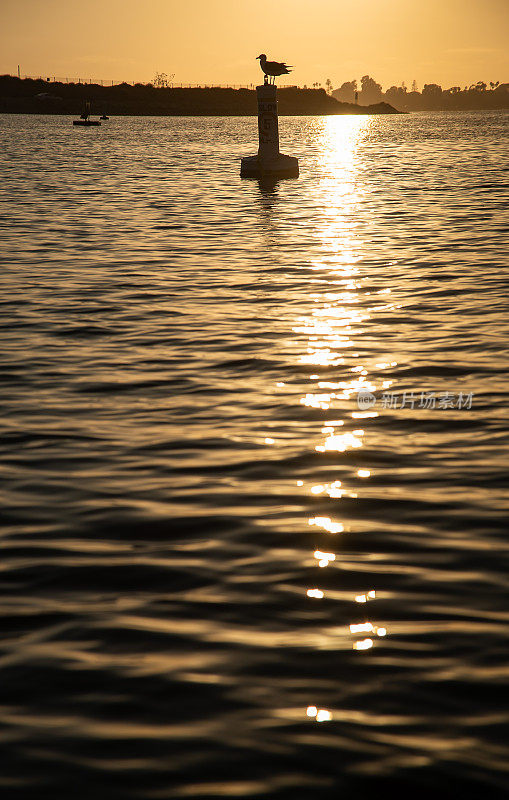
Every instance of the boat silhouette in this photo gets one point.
(85, 120)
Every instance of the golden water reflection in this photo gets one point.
(319, 714)
(340, 311)
(327, 524)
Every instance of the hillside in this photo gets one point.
(40, 97)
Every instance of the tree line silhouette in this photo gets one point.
(479, 95)
(39, 96)
(29, 96)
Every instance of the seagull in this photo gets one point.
(273, 68)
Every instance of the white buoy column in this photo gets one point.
(269, 161)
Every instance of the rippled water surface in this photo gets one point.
(220, 576)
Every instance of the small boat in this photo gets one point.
(85, 120)
(104, 117)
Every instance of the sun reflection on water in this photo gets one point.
(340, 312)
(327, 524)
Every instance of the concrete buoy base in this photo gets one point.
(280, 166)
(269, 162)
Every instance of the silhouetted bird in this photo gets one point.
(273, 68)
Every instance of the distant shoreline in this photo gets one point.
(115, 115)
(27, 96)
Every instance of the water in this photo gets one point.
(181, 353)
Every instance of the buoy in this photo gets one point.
(269, 161)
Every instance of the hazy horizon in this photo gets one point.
(449, 42)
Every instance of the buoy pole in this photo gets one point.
(269, 162)
(268, 125)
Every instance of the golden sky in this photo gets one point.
(451, 42)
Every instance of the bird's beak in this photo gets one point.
(257, 57)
